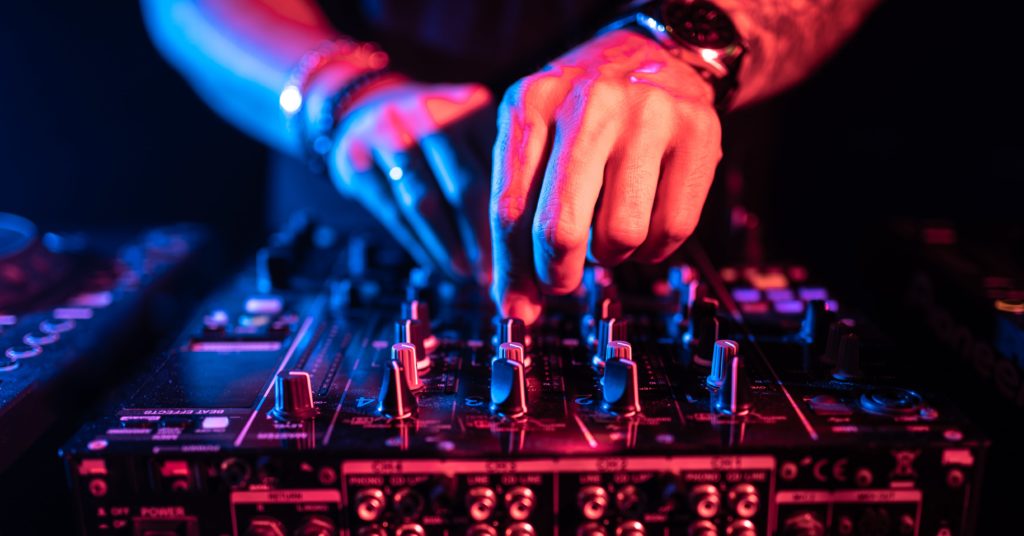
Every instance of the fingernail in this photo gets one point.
(517, 305)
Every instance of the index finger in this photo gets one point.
(521, 147)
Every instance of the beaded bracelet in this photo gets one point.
(361, 56)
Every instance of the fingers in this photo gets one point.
(687, 173)
(520, 150)
(572, 185)
(463, 183)
(623, 217)
(355, 174)
(422, 204)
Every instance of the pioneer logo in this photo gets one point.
(990, 366)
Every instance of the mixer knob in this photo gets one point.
(511, 351)
(683, 280)
(702, 331)
(395, 399)
(848, 358)
(611, 329)
(508, 383)
(724, 351)
(514, 330)
(733, 398)
(419, 310)
(836, 331)
(511, 330)
(621, 386)
(814, 328)
(293, 397)
(405, 355)
(411, 332)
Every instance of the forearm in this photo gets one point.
(788, 39)
(237, 55)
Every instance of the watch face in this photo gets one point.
(699, 23)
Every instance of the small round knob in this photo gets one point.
(293, 397)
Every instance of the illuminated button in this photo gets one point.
(789, 307)
(216, 320)
(54, 325)
(23, 351)
(779, 294)
(812, 293)
(766, 280)
(746, 295)
(254, 321)
(215, 423)
(38, 338)
(264, 305)
(8, 320)
(72, 313)
(95, 300)
(756, 308)
(7, 364)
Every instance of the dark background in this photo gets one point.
(917, 117)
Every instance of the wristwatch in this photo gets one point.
(697, 32)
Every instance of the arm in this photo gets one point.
(237, 55)
(789, 39)
(608, 153)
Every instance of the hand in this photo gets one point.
(415, 156)
(611, 148)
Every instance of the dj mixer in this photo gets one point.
(330, 388)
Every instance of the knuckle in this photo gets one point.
(626, 237)
(558, 236)
(678, 232)
(506, 212)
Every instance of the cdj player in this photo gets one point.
(329, 389)
(70, 303)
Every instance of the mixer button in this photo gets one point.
(264, 305)
(23, 351)
(54, 325)
(891, 401)
(7, 364)
(395, 399)
(39, 338)
(94, 300)
(630, 528)
(621, 387)
(293, 397)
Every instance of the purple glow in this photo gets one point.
(746, 295)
